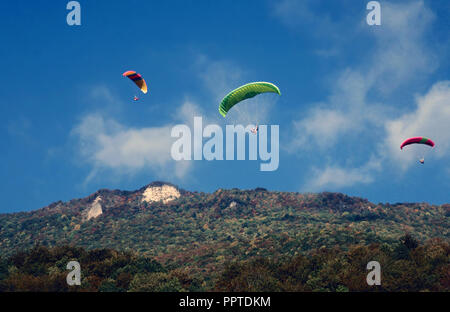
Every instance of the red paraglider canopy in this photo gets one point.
(417, 140)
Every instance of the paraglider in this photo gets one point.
(418, 140)
(138, 80)
(245, 92)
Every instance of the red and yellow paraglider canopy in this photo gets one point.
(137, 79)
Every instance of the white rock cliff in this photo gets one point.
(164, 193)
(95, 209)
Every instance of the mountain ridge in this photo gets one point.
(200, 232)
(118, 192)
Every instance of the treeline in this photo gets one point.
(405, 266)
(43, 269)
(199, 232)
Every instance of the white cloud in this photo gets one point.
(336, 177)
(218, 76)
(107, 144)
(360, 104)
(431, 119)
(399, 57)
(348, 108)
(186, 113)
(324, 124)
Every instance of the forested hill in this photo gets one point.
(202, 231)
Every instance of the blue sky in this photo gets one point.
(350, 94)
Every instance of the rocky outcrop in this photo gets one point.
(164, 193)
(94, 210)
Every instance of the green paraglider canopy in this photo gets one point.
(245, 92)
